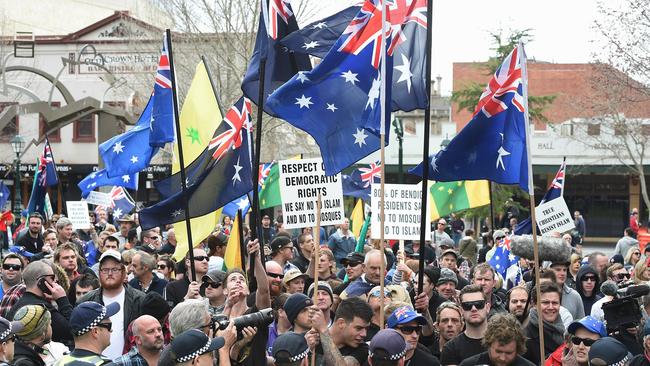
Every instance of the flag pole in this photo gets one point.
(179, 141)
(382, 130)
(425, 149)
(316, 261)
(491, 208)
(531, 195)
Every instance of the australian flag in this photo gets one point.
(408, 19)
(276, 22)
(506, 264)
(227, 177)
(129, 152)
(162, 118)
(555, 190)
(493, 144)
(243, 203)
(338, 102)
(358, 184)
(121, 202)
(100, 179)
(45, 176)
(4, 195)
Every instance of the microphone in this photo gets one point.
(609, 288)
(554, 250)
(637, 290)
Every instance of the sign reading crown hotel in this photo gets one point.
(300, 183)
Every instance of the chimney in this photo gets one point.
(438, 88)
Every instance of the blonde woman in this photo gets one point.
(641, 273)
(632, 256)
(574, 267)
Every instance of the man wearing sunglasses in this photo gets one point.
(185, 288)
(475, 305)
(587, 285)
(583, 333)
(212, 284)
(409, 325)
(12, 272)
(91, 325)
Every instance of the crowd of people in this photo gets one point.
(112, 294)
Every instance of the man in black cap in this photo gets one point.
(609, 351)
(297, 309)
(353, 267)
(290, 349)
(282, 252)
(212, 284)
(194, 347)
(387, 348)
(7, 340)
(449, 259)
(91, 327)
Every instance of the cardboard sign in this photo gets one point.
(300, 183)
(402, 204)
(99, 199)
(78, 214)
(554, 216)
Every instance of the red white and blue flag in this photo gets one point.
(235, 123)
(121, 202)
(162, 118)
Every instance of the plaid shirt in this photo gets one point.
(132, 358)
(10, 298)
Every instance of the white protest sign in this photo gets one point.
(78, 214)
(300, 183)
(99, 199)
(554, 216)
(402, 204)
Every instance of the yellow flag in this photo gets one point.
(357, 218)
(199, 118)
(232, 258)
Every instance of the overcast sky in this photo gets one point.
(562, 29)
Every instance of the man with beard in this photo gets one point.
(550, 295)
(185, 288)
(409, 324)
(505, 343)
(148, 335)
(11, 273)
(36, 333)
(275, 275)
(32, 240)
(449, 323)
(476, 306)
(517, 298)
(113, 290)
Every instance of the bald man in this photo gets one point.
(148, 335)
(275, 274)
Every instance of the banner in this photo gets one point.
(401, 212)
(78, 214)
(554, 216)
(300, 183)
(99, 199)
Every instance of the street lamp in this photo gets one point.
(17, 144)
(399, 131)
(445, 143)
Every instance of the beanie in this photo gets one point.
(35, 319)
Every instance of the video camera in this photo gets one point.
(624, 311)
(260, 319)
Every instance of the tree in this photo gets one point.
(468, 97)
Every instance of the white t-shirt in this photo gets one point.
(114, 350)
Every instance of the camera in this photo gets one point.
(259, 319)
(624, 310)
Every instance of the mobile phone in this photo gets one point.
(43, 287)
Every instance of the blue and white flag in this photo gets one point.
(100, 179)
(4, 195)
(506, 264)
(121, 202)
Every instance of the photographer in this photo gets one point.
(250, 350)
(623, 316)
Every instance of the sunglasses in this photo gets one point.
(623, 276)
(467, 306)
(162, 266)
(377, 293)
(409, 329)
(13, 267)
(636, 253)
(201, 258)
(589, 278)
(586, 341)
(500, 237)
(211, 284)
(351, 264)
(154, 237)
(275, 275)
(107, 326)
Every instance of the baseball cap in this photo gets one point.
(8, 328)
(446, 243)
(387, 344)
(403, 315)
(291, 275)
(215, 275)
(194, 343)
(88, 314)
(608, 351)
(589, 323)
(280, 242)
(111, 254)
(295, 304)
(449, 251)
(290, 347)
(353, 258)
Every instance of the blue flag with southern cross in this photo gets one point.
(492, 145)
(358, 184)
(4, 195)
(129, 152)
(44, 177)
(121, 202)
(100, 179)
(162, 117)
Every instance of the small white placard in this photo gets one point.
(402, 212)
(554, 216)
(78, 214)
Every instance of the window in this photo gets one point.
(566, 129)
(42, 127)
(593, 129)
(620, 129)
(11, 128)
(645, 129)
(84, 129)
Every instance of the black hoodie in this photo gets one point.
(587, 302)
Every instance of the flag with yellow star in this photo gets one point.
(448, 197)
